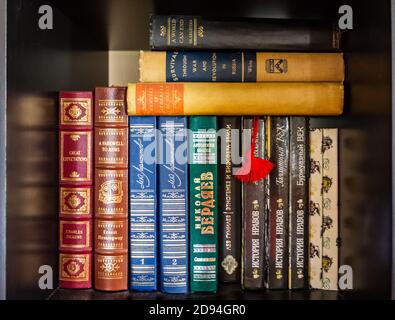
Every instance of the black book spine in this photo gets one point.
(229, 201)
(254, 207)
(278, 203)
(173, 32)
(299, 192)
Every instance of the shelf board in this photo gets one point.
(226, 292)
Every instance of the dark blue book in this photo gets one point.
(143, 204)
(173, 204)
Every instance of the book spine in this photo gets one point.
(260, 98)
(173, 204)
(330, 210)
(203, 204)
(299, 209)
(75, 189)
(111, 189)
(315, 210)
(239, 66)
(254, 207)
(193, 32)
(229, 205)
(278, 213)
(143, 204)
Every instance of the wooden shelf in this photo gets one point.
(226, 292)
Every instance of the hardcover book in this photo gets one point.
(203, 204)
(75, 190)
(330, 210)
(194, 32)
(278, 204)
(143, 204)
(173, 204)
(229, 205)
(299, 207)
(111, 185)
(315, 210)
(254, 207)
(239, 66)
(260, 98)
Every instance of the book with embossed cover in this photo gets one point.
(315, 209)
(235, 98)
(111, 190)
(170, 32)
(143, 204)
(299, 206)
(203, 204)
(330, 209)
(173, 204)
(75, 191)
(278, 204)
(229, 200)
(239, 66)
(254, 208)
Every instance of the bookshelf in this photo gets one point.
(88, 47)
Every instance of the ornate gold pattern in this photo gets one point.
(74, 267)
(75, 201)
(111, 109)
(109, 267)
(229, 264)
(75, 137)
(76, 111)
(74, 174)
(111, 192)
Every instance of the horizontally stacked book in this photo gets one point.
(170, 212)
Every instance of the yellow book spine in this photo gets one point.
(160, 66)
(271, 98)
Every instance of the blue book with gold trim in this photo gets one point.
(143, 204)
(173, 204)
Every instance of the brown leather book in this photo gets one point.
(75, 191)
(254, 204)
(111, 189)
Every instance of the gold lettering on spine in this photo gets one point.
(168, 30)
(242, 67)
(74, 234)
(190, 32)
(195, 32)
(110, 235)
(75, 175)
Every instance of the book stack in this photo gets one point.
(225, 179)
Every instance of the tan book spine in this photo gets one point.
(161, 66)
(315, 209)
(330, 212)
(293, 98)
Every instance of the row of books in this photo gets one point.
(187, 213)
(168, 201)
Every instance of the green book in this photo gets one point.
(203, 204)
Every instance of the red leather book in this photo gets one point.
(75, 189)
(111, 190)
